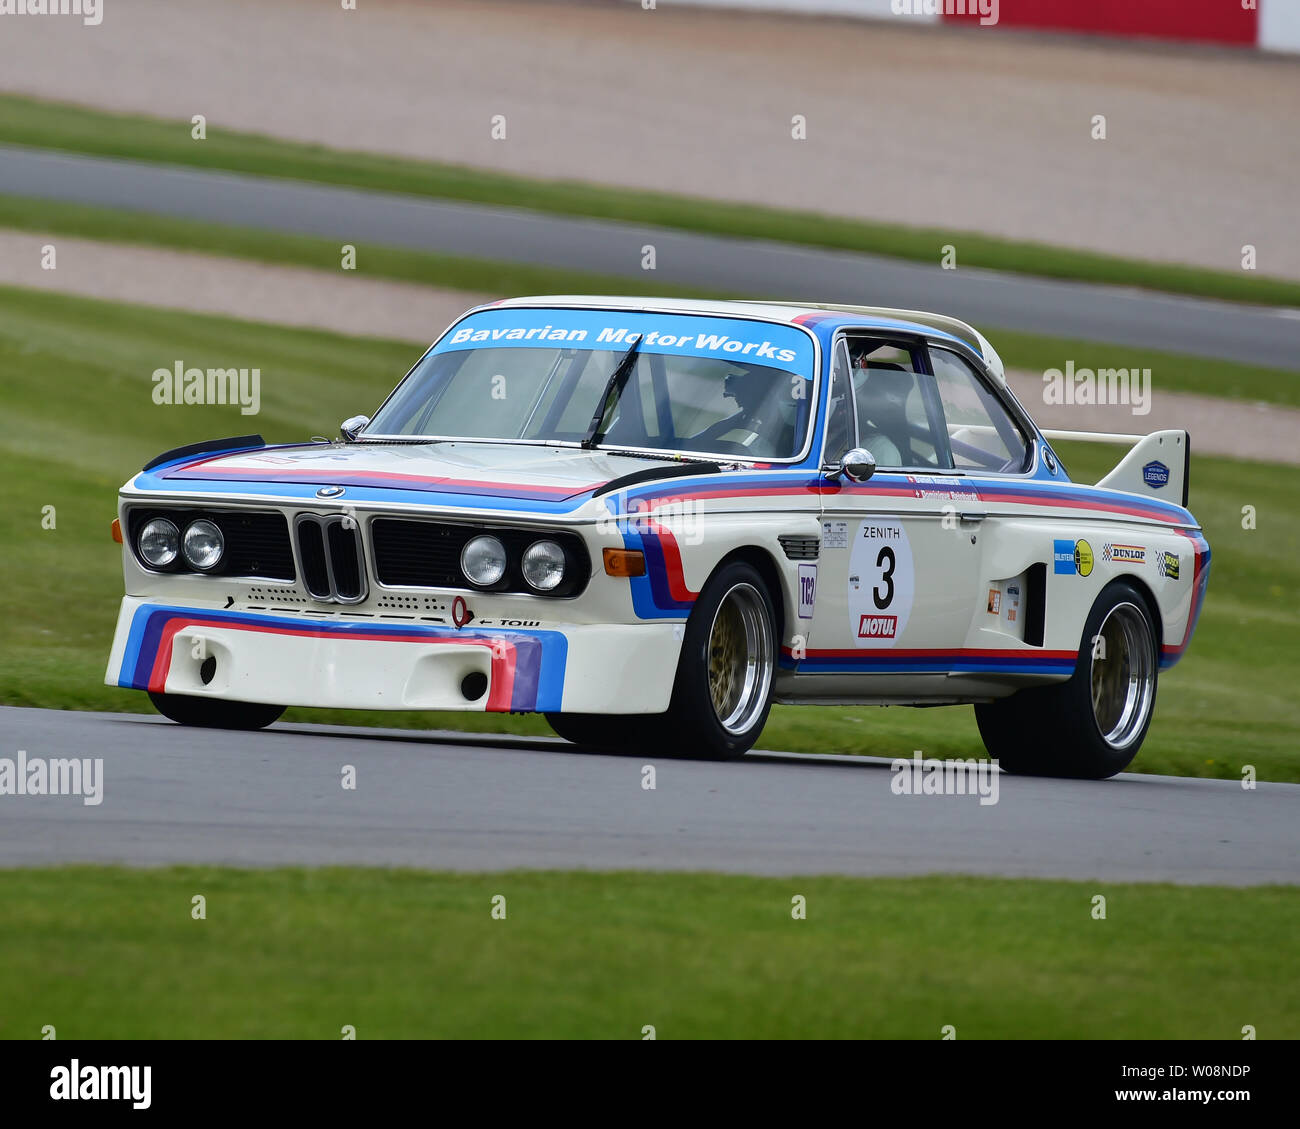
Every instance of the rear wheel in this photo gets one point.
(214, 713)
(1092, 725)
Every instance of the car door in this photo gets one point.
(898, 573)
(990, 450)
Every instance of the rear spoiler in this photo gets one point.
(1158, 465)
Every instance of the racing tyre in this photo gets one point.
(214, 713)
(610, 733)
(723, 690)
(1091, 726)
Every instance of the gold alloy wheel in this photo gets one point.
(740, 658)
(1123, 675)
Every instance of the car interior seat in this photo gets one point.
(882, 390)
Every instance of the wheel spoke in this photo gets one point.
(1123, 675)
(740, 658)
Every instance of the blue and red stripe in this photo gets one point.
(1170, 654)
(394, 480)
(889, 486)
(662, 593)
(899, 660)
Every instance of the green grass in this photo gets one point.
(50, 125)
(1024, 351)
(79, 421)
(292, 954)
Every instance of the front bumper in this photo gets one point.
(389, 663)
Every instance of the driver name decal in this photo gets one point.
(943, 487)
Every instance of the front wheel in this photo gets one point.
(1092, 725)
(615, 733)
(214, 713)
(723, 689)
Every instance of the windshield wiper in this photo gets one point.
(615, 385)
(669, 456)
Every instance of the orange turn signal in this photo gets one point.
(624, 562)
(116, 527)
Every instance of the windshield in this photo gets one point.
(694, 384)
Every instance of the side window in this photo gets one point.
(841, 425)
(982, 434)
(893, 423)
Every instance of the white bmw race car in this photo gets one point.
(650, 519)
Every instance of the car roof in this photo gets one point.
(826, 315)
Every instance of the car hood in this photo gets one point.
(366, 470)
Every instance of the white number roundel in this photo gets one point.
(881, 583)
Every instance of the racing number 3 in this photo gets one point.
(885, 561)
(881, 581)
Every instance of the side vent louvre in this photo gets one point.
(800, 548)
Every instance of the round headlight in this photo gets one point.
(543, 565)
(159, 543)
(203, 545)
(483, 560)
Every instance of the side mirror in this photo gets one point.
(857, 465)
(351, 428)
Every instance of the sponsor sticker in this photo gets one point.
(1155, 474)
(995, 601)
(688, 335)
(1124, 554)
(881, 582)
(807, 590)
(1012, 602)
(1167, 565)
(1063, 558)
(877, 626)
(1083, 558)
(835, 535)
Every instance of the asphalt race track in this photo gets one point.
(731, 266)
(468, 802)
